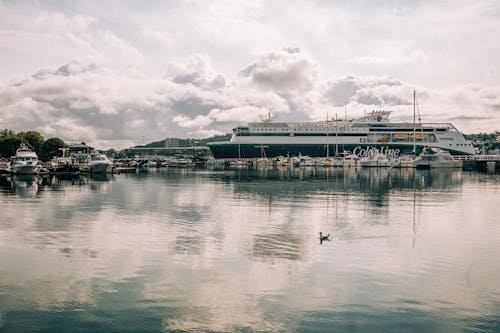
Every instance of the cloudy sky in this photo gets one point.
(120, 73)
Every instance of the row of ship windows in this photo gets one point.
(302, 130)
(298, 134)
(328, 134)
(344, 129)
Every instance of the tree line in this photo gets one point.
(44, 148)
(187, 142)
(48, 148)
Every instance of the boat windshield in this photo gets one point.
(98, 157)
(26, 158)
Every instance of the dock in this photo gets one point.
(479, 162)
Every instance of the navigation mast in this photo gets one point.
(414, 122)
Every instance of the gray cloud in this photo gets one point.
(466, 118)
(85, 102)
(282, 71)
(367, 91)
(197, 71)
(73, 68)
(109, 108)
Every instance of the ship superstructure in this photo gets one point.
(328, 138)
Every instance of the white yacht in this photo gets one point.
(436, 158)
(25, 162)
(238, 164)
(349, 160)
(99, 163)
(306, 160)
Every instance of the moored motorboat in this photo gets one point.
(64, 165)
(25, 162)
(432, 158)
(99, 163)
(404, 161)
(375, 160)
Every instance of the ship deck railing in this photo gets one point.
(481, 158)
(342, 124)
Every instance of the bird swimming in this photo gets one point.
(323, 238)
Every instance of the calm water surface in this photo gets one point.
(226, 251)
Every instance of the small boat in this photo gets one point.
(325, 162)
(283, 161)
(264, 163)
(400, 136)
(181, 162)
(81, 161)
(185, 162)
(64, 165)
(346, 159)
(306, 161)
(375, 160)
(92, 163)
(404, 161)
(238, 163)
(99, 163)
(436, 158)
(25, 162)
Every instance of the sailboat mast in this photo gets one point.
(336, 136)
(327, 142)
(345, 111)
(414, 122)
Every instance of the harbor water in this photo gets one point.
(198, 250)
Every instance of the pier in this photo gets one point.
(470, 162)
(479, 162)
(166, 151)
(158, 157)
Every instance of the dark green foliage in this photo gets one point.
(188, 142)
(33, 139)
(5, 133)
(482, 136)
(8, 146)
(111, 153)
(50, 148)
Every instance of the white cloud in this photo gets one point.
(186, 122)
(136, 70)
(390, 59)
(56, 22)
(196, 70)
(284, 71)
(157, 36)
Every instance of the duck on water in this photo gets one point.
(323, 238)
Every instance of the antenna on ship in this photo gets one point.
(345, 111)
(269, 118)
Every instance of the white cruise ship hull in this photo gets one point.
(368, 135)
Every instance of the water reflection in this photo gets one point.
(24, 185)
(274, 246)
(204, 250)
(378, 183)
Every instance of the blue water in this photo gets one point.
(239, 251)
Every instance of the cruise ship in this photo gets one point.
(372, 133)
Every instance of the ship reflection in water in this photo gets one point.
(224, 251)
